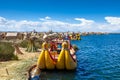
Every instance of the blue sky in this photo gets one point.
(83, 15)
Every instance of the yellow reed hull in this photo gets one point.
(65, 61)
(41, 60)
(49, 62)
(69, 62)
(61, 60)
(78, 38)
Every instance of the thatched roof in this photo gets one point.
(11, 34)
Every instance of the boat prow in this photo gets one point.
(66, 59)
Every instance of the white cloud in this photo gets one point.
(46, 18)
(45, 24)
(13, 25)
(2, 21)
(113, 20)
(113, 24)
(84, 21)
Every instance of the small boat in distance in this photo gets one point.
(75, 36)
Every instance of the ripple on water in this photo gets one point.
(98, 59)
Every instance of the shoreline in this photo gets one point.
(17, 69)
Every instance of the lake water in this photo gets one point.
(98, 59)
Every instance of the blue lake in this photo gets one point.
(98, 59)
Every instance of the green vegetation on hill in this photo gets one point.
(7, 52)
(23, 44)
(31, 46)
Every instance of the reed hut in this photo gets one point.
(11, 36)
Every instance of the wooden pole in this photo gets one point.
(7, 71)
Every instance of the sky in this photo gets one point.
(60, 15)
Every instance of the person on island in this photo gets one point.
(53, 46)
(53, 49)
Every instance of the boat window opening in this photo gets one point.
(59, 47)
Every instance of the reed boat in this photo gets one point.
(58, 55)
(75, 37)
